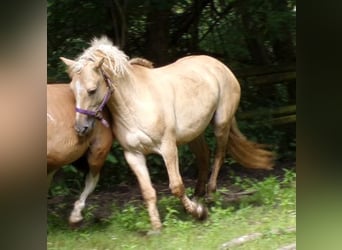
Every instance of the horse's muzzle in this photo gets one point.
(82, 130)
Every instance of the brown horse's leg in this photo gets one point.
(95, 158)
(169, 153)
(137, 163)
(90, 184)
(200, 149)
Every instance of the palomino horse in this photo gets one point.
(64, 146)
(156, 109)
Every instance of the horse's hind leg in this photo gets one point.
(137, 163)
(200, 149)
(222, 124)
(169, 153)
(95, 158)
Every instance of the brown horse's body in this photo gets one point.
(156, 109)
(64, 146)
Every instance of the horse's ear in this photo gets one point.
(67, 61)
(99, 63)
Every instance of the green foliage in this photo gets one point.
(223, 29)
(267, 212)
(71, 25)
(115, 170)
(215, 27)
(71, 47)
(132, 218)
(71, 181)
(271, 191)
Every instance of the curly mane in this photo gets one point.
(114, 59)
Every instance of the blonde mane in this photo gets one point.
(142, 62)
(114, 59)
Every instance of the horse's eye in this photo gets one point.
(91, 91)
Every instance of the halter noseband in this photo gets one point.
(98, 112)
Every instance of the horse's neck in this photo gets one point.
(119, 104)
(132, 95)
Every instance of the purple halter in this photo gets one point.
(98, 112)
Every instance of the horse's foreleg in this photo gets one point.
(90, 184)
(170, 155)
(200, 149)
(137, 163)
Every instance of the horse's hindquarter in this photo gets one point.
(198, 83)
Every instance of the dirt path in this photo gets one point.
(121, 194)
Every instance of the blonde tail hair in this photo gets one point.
(248, 153)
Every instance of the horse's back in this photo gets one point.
(206, 79)
(60, 106)
(199, 69)
(60, 101)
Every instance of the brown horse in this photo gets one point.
(156, 109)
(64, 146)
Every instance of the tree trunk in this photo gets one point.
(283, 46)
(157, 33)
(253, 37)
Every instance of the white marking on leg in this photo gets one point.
(90, 184)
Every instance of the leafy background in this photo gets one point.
(244, 34)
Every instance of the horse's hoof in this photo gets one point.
(153, 232)
(75, 225)
(201, 212)
(75, 221)
(209, 199)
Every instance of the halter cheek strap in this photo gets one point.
(98, 112)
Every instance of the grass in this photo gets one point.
(271, 208)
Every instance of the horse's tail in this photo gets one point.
(248, 153)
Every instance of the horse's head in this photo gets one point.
(90, 85)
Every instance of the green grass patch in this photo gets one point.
(270, 211)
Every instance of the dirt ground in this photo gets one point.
(122, 193)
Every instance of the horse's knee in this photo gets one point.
(177, 190)
(149, 195)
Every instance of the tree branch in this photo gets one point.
(219, 16)
(288, 247)
(253, 236)
(119, 22)
(188, 18)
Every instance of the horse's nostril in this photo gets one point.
(81, 130)
(85, 129)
